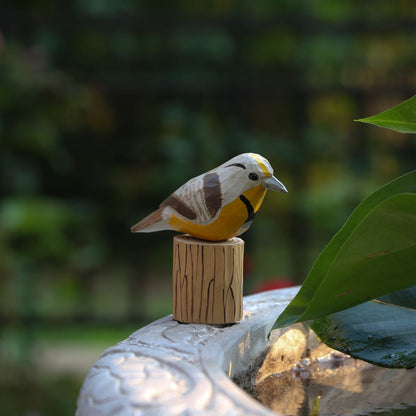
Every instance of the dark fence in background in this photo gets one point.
(104, 113)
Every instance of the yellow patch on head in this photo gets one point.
(261, 164)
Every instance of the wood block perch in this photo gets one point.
(207, 280)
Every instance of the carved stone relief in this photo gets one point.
(168, 368)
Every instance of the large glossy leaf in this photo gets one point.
(383, 333)
(405, 298)
(373, 254)
(401, 118)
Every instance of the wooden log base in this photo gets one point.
(207, 280)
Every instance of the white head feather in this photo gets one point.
(244, 172)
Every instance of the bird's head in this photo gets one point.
(249, 170)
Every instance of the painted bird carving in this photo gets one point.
(218, 204)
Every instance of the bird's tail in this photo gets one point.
(153, 222)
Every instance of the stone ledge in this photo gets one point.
(168, 369)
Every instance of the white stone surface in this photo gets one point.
(168, 369)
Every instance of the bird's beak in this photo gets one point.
(274, 184)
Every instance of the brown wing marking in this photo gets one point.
(212, 193)
(148, 221)
(180, 206)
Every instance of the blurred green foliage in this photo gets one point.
(107, 106)
(42, 397)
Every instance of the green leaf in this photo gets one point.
(373, 254)
(401, 118)
(405, 298)
(378, 332)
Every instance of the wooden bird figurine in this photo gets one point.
(218, 204)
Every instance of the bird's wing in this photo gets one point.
(199, 200)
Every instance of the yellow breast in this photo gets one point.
(228, 222)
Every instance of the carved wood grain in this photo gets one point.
(207, 280)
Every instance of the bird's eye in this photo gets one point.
(253, 176)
